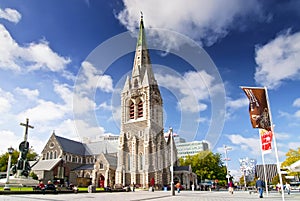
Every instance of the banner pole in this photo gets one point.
(275, 146)
(264, 166)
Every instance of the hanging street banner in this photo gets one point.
(258, 107)
(266, 141)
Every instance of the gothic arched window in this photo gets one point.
(131, 110)
(141, 161)
(140, 109)
(128, 158)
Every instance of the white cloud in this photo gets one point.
(296, 102)
(43, 112)
(6, 101)
(246, 144)
(278, 60)
(91, 78)
(34, 56)
(84, 129)
(236, 104)
(30, 94)
(11, 15)
(11, 140)
(205, 21)
(190, 89)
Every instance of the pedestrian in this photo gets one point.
(288, 188)
(230, 187)
(278, 187)
(178, 186)
(42, 186)
(260, 187)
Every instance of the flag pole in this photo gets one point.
(264, 165)
(275, 145)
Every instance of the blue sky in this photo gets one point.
(63, 64)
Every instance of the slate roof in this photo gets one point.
(85, 167)
(96, 148)
(93, 148)
(46, 164)
(71, 146)
(112, 160)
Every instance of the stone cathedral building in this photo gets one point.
(141, 155)
(143, 152)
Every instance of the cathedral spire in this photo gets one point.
(142, 63)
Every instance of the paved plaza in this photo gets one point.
(157, 195)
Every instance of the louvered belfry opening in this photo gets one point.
(131, 110)
(140, 109)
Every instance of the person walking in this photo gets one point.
(260, 187)
(288, 188)
(230, 187)
(178, 186)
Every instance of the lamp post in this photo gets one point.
(10, 151)
(227, 159)
(171, 167)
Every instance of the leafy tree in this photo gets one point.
(276, 180)
(292, 156)
(206, 165)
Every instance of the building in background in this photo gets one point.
(271, 171)
(189, 148)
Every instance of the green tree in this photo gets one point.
(276, 180)
(206, 165)
(291, 157)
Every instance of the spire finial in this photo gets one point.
(141, 15)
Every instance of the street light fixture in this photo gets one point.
(227, 159)
(10, 151)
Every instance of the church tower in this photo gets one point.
(143, 157)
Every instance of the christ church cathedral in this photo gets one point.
(141, 155)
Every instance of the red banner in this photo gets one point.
(258, 107)
(266, 140)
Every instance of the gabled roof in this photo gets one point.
(70, 146)
(96, 148)
(46, 164)
(85, 167)
(112, 160)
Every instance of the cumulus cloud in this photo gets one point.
(44, 111)
(34, 56)
(6, 101)
(11, 15)
(246, 144)
(296, 102)
(204, 21)
(10, 140)
(278, 60)
(30, 94)
(190, 94)
(90, 78)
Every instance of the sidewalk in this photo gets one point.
(151, 196)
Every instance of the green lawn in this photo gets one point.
(31, 189)
(18, 189)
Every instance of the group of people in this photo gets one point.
(49, 186)
(260, 185)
